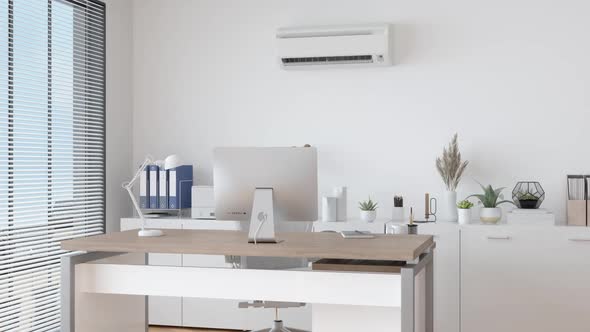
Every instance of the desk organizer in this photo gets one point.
(577, 200)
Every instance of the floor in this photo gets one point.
(178, 329)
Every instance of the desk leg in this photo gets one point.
(408, 316)
(88, 312)
(418, 296)
(429, 270)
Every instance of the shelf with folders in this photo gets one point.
(578, 205)
(184, 204)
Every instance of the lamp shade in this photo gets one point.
(172, 161)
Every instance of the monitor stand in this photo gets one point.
(262, 222)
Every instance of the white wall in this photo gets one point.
(511, 77)
(118, 109)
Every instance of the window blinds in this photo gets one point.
(52, 149)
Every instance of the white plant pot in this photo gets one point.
(490, 215)
(368, 216)
(464, 216)
(447, 207)
(397, 214)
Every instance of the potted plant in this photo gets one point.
(368, 210)
(451, 168)
(490, 199)
(398, 208)
(464, 211)
(528, 195)
(527, 201)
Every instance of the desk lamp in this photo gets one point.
(170, 162)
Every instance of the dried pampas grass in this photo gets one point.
(449, 165)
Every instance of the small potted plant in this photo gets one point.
(528, 195)
(527, 201)
(464, 211)
(490, 199)
(398, 208)
(368, 210)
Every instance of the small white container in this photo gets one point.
(464, 216)
(368, 216)
(397, 214)
(329, 208)
(341, 197)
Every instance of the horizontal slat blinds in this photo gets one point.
(52, 154)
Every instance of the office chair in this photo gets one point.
(276, 263)
(277, 325)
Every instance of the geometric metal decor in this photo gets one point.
(528, 195)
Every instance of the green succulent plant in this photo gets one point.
(491, 197)
(368, 205)
(464, 204)
(527, 197)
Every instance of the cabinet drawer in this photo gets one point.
(205, 261)
(165, 310)
(525, 278)
(165, 259)
(213, 313)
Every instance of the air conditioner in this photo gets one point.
(335, 46)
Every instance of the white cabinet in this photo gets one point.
(446, 275)
(525, 278)
(487, 279)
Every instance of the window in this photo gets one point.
(52, 149)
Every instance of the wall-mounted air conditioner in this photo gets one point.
(335, 46)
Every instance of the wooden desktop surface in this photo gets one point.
(214, 242)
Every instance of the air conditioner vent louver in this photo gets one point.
(334, 46)
(326, 60)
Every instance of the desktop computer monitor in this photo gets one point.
(262, 185)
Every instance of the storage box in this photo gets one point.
(576, 212)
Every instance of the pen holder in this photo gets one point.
(412, 229)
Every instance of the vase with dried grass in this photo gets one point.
(450, 166)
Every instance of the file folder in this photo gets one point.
(163, 184)
(180, 182)
(153, 181)
(144, 193)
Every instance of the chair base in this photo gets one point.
(278, 327)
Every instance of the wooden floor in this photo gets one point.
(178, 329)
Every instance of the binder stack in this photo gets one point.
(577, 200)
(161, 189)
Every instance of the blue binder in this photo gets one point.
(154, 178)
(144, 189)
(180, 183)
(163, 184)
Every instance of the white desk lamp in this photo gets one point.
(170, 162)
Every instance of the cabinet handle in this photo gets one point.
(579, 240)
(499, 237)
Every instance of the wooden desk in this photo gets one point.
(95, 293)
(301, 245)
